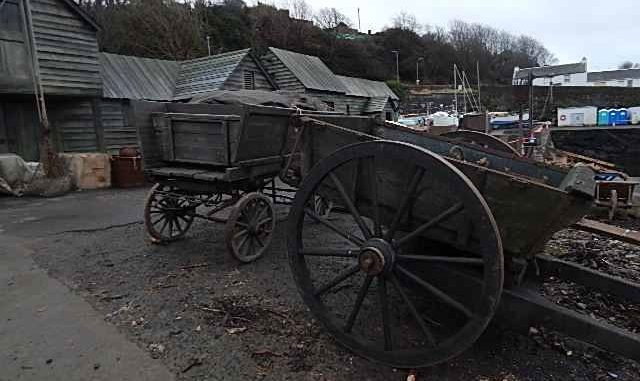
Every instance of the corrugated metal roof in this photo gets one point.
(207, 73)
(552, 70)
(361, 87)
(310, 70)
(130, 77)
(613, 75)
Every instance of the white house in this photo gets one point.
(573, 74)
(576, 74)
(621, 78)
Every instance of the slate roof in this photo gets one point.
(552, 70)
(207, 73)
(366, 88)
(613, 75)
(310, 71)
(128, 77)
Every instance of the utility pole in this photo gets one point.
(359, 20)
(478, 77)
(397, 53)
(417, 72)
(455, 87)
(209, 44)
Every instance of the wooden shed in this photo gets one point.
(379, 98)
(128, 78)
(51, 44)
(301, 73)
(349, 95)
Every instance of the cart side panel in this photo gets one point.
(262, 135)
(498, 161)
(527, 213)
(149, 143)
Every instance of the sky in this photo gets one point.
(606, 32)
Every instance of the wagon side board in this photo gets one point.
(528, 212)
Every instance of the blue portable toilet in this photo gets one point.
(613, 117)
(603, 117)
(622, 117)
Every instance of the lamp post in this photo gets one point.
(397, 53)
(417, 72)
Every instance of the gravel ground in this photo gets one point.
(207, 317)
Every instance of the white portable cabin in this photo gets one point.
(577, 116)
(634, 115)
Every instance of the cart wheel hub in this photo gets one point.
(376, 257)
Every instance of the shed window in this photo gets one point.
(388, 116)
(567, 78)
(630, 83)
(332, 105)
(249, 80)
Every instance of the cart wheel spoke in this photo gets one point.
(329, 253)
(414, 312)
(241, 233)
(258, 240)
(177, 224)
(337, 280)
(435, 291)
(351, 206)
(404, 205)
(164, 226)
(349, 237)
(427, 258)
(356, 307)
(384, 307)
(171, 226)
(264, 221)
(243, 242)
(377, 228)
(457, 208)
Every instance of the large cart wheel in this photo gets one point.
(168, 215)
(249, 229)
(364, 276)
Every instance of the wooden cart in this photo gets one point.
(206, 159)
(408, 268)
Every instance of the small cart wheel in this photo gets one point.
(372, 274)
(168, 215)
(249, 229)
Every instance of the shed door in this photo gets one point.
(576, 119)
(19, 130)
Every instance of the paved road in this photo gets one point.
(46, 331)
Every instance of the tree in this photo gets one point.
(629, 65)
(329, 18)
(406, 21)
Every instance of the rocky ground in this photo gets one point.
(207, 317)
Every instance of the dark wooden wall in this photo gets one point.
(67, 48)
(15, 72)
(19, 129)
(236, 79)
(281, 75)
(66, 44)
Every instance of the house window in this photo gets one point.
(630, 83)
(332, 105)
(249, 80)
(567, 78)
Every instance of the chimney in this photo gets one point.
(369, 32)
